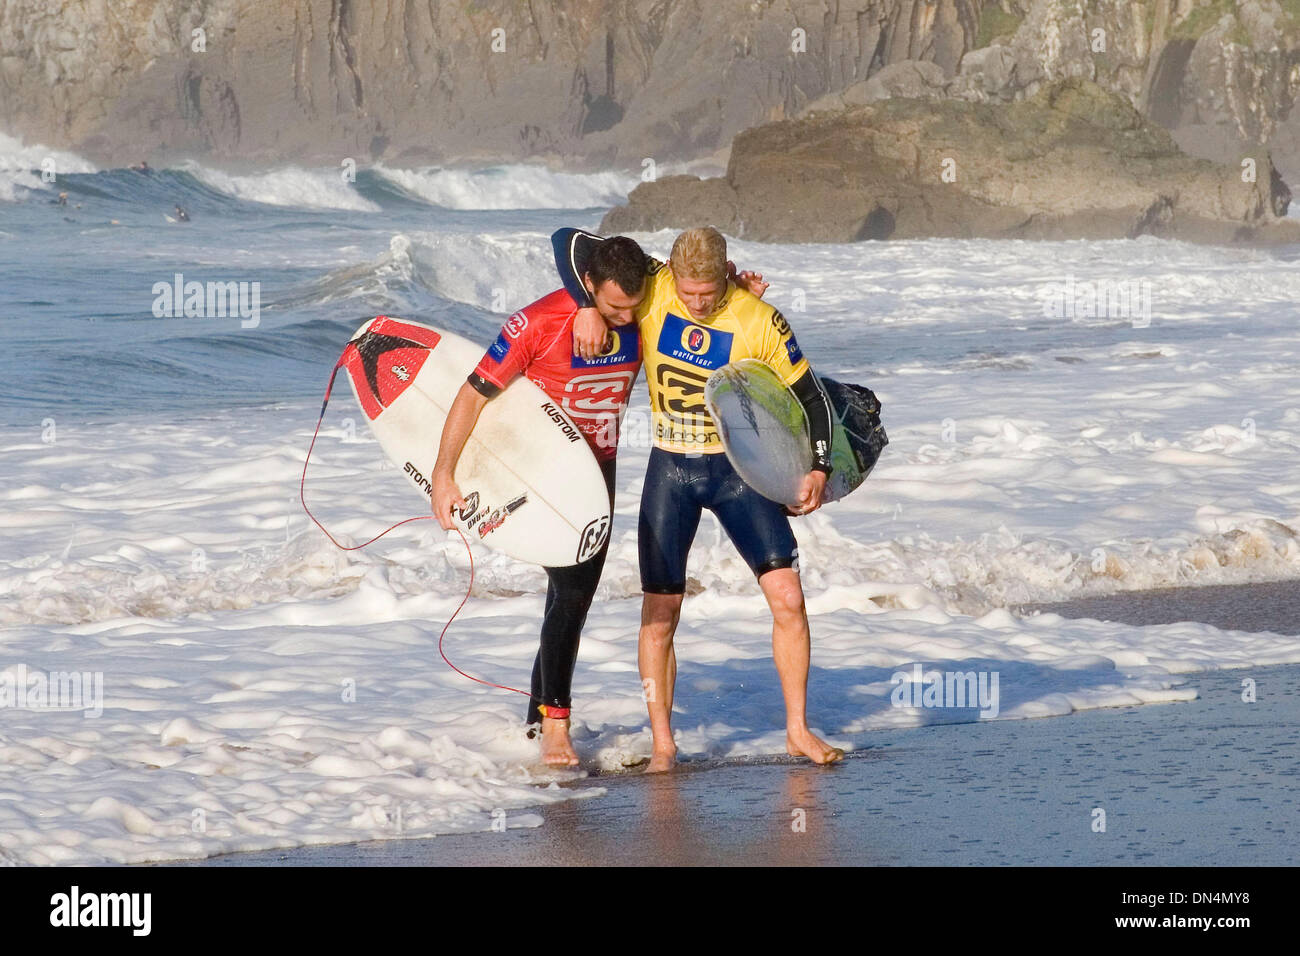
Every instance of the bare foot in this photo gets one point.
(802, 743)
(557, 749)
(662, 760)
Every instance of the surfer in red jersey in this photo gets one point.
(537, 342)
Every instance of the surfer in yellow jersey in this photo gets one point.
(693, 320)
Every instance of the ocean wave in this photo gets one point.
(286, 186)
(426, 270)
(499, 273)
(382, 283)
(21, 167)
(510, 187)
(62, 591)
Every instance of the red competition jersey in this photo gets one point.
(537, 341)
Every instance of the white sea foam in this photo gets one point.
(22, 166)
(293, 693)
(511, 187)
(287, 186)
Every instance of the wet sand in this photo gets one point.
(1273, 606)
(1214, 781)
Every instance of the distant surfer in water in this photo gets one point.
(142, 167)
(695, 319)
(181, 214)
(537, 342)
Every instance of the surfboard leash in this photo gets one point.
(302, 485)
(465, 541)
(302, 496)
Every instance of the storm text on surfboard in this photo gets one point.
(418, 478)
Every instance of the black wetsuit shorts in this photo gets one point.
(677, 489)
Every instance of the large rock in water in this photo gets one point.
(1074, 161)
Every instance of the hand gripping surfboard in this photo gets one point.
(765, 432)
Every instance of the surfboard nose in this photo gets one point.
(384, 358)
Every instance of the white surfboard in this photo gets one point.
(765, 432)
(532, 485)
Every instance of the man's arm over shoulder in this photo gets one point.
(573, 249)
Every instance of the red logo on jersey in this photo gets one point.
(597, 396)
(516, 324)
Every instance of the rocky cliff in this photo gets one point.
(1222, 75)
(609, 82)
(581, 81)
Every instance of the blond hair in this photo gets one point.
(700, 254)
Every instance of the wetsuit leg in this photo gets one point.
(670, 516)
(757, 526)
(568, 598)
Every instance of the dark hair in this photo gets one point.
(621, 259)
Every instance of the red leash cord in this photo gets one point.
(302, 496)
(453, 617)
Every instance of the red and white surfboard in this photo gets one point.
(533, 488)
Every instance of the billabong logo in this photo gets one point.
(593, 538)
(516, 324)
(597, 396)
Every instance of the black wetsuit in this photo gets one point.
(569, 593)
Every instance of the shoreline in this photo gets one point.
(1202, 783)
(1193, 784)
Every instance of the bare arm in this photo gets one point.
(461, 419)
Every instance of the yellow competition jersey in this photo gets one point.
(681, 352)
